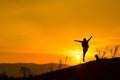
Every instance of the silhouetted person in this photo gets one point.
(84, 45)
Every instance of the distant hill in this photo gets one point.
(12, 70)
(104, 69)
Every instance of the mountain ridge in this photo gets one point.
(13, 69)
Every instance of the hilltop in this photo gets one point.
(104, 69)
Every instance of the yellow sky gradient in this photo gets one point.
(47, 28)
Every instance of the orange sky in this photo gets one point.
(32, 28)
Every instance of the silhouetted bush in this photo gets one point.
(113, 51)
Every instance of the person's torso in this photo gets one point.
(85, 44)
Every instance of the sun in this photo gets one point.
(78, 57)
(76, 54)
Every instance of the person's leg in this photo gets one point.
(84, 53)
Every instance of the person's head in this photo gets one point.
(84, 39)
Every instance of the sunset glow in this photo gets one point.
(78, 57)
(40, 31)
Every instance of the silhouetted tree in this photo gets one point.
(3, 76)
(67, 60)
(51, 67)
(25, 71)
(102, 52)
(42, 70)
(111, 50)
(114, 50)
(60, 63)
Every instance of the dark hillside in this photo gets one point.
(104, 69)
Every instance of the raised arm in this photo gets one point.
(77, 41)
(89, 38)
